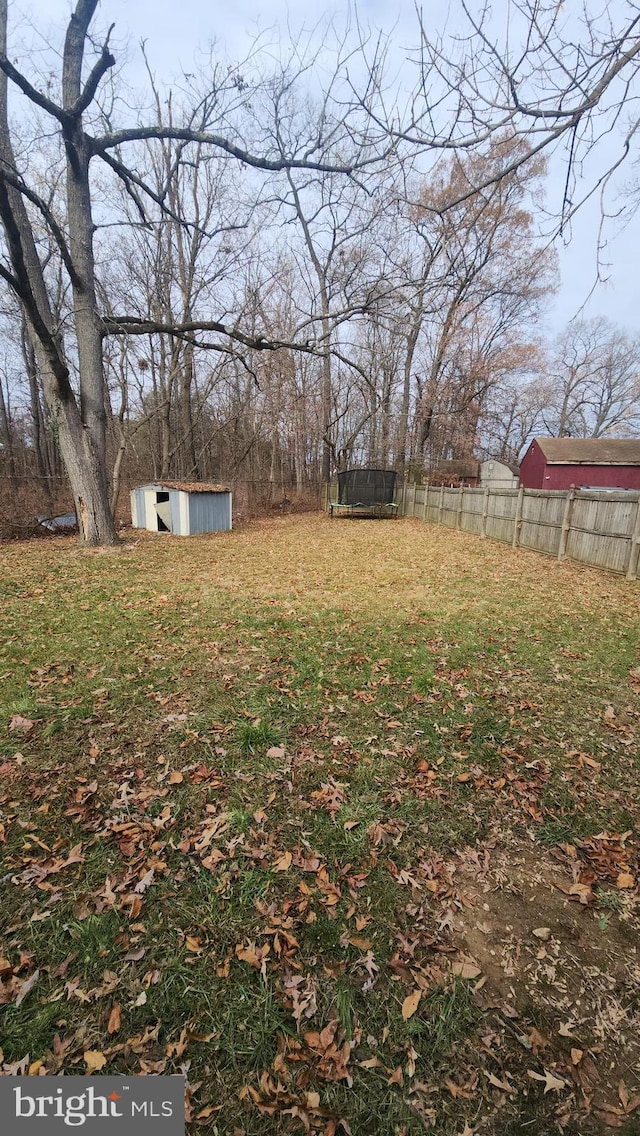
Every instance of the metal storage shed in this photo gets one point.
(182, 507)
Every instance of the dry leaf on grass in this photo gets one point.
(410, 1004)
(94, 1060)
(549, 1080)
(113, 1025)
(465, 969)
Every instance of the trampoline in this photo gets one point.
(365, 493)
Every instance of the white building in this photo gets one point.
(496, 475)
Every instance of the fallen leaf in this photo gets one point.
(283, 863)
(584, 759)
(543, 933)
(276, 751)
(583, 892)
(549, 1080)
(254, 956)
(498, 1084)
(452, 1088)
(464, 969)
(410, 1004)
(612, 1117)
(113, 1025)
(175, 777)
(27, 986)
(135, 956)
(94, 1060)
(625, 880)
(537, 1040)
(145, 882)
(361, 944)
(20, 724)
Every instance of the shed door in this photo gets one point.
(163, 511)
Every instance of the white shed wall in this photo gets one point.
(150, 516)
(184, 514)
(496, 475)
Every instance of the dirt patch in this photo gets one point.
(562, 976)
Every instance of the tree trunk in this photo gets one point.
(190, 459)
(6, 431)
(39, 443)
(81, 429)
(326, 390)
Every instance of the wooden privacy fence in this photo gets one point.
(593, 527)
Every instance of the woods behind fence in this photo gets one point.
(592, 527)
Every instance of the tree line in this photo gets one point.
(254, 281)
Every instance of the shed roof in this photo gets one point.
(193, 486)
(590, 451)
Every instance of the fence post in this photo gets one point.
(485, 511)
(634, 550)
(517, 521)
(459, 510)
(403, 509)
(425, 502)
(441, 504)
(566, 523)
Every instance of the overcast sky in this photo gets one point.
(175, 31)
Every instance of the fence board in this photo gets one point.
(472, 505)
(501, 514)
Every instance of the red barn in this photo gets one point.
(559, 463)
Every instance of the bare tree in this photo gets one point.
(484, 276)
(554, 78)
(593, 382)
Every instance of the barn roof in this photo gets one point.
(193, 486)
(590, 451)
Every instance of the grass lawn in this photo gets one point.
(339, 818)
